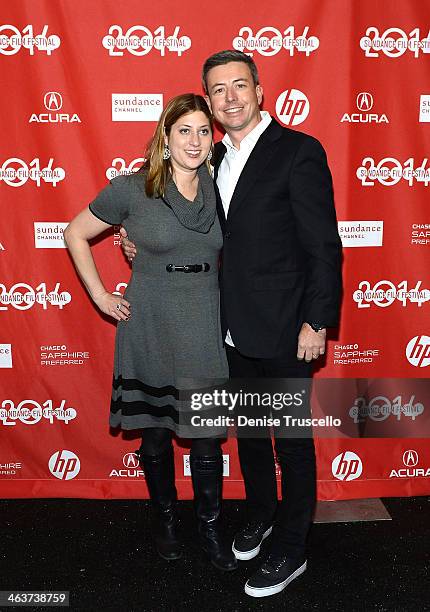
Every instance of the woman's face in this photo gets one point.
(189, 141)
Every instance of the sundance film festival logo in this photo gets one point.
(394, 42)
(410, 460)
(389, 171)
(5, 355)
(384, 293)
(292, 107)
(131, 467)
(139, 40)
(136, 107)
(53, 102)
(269, 41)
(64, 465)
(120, 167)
(23, 296)
(418, 351)
(361, 233)
(364, 103)
(15, 172)
(379, 408)
(13, 40)
(347, 466)
(31, 412)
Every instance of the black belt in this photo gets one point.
(205, 267)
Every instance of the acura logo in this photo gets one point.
(364, 101)
(53, 101)
(410, 458)
(130, 460)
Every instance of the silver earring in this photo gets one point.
(166, 153)
(209, 157)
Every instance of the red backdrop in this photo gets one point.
(82, 86)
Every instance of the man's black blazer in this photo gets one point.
(281, 258)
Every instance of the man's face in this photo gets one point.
(233, 97)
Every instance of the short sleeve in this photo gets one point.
(113, 202)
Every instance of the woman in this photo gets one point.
(168, 330)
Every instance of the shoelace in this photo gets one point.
(273, 562)
(251, 528)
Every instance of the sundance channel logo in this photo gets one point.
(49, 235)
(361, 233)
(424, 116)
(5, 355)
(136, 107)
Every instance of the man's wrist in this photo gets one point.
(316, 326)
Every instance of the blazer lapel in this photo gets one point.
(260, 157)
(218, 157)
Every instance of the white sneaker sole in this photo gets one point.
(250, 554)
(276, 588)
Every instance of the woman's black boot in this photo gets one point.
(160, 479)
(206, 474)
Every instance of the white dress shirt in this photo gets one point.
(231, 168)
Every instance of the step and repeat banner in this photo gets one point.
(83, 84)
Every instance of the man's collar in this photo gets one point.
(251, 138)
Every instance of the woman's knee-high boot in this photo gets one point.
(160, 479)
(206, 475)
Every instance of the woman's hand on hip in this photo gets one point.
(113, 305)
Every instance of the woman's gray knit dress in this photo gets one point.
(173, 340)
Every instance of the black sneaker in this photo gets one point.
(247, 542)
(274, 575)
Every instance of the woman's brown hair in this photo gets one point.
(158, 170)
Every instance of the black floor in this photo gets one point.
(102, 553)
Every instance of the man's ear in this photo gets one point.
(259, 92)
(208, 102)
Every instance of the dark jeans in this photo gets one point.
(296, 456)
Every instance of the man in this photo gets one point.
(280, 289)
